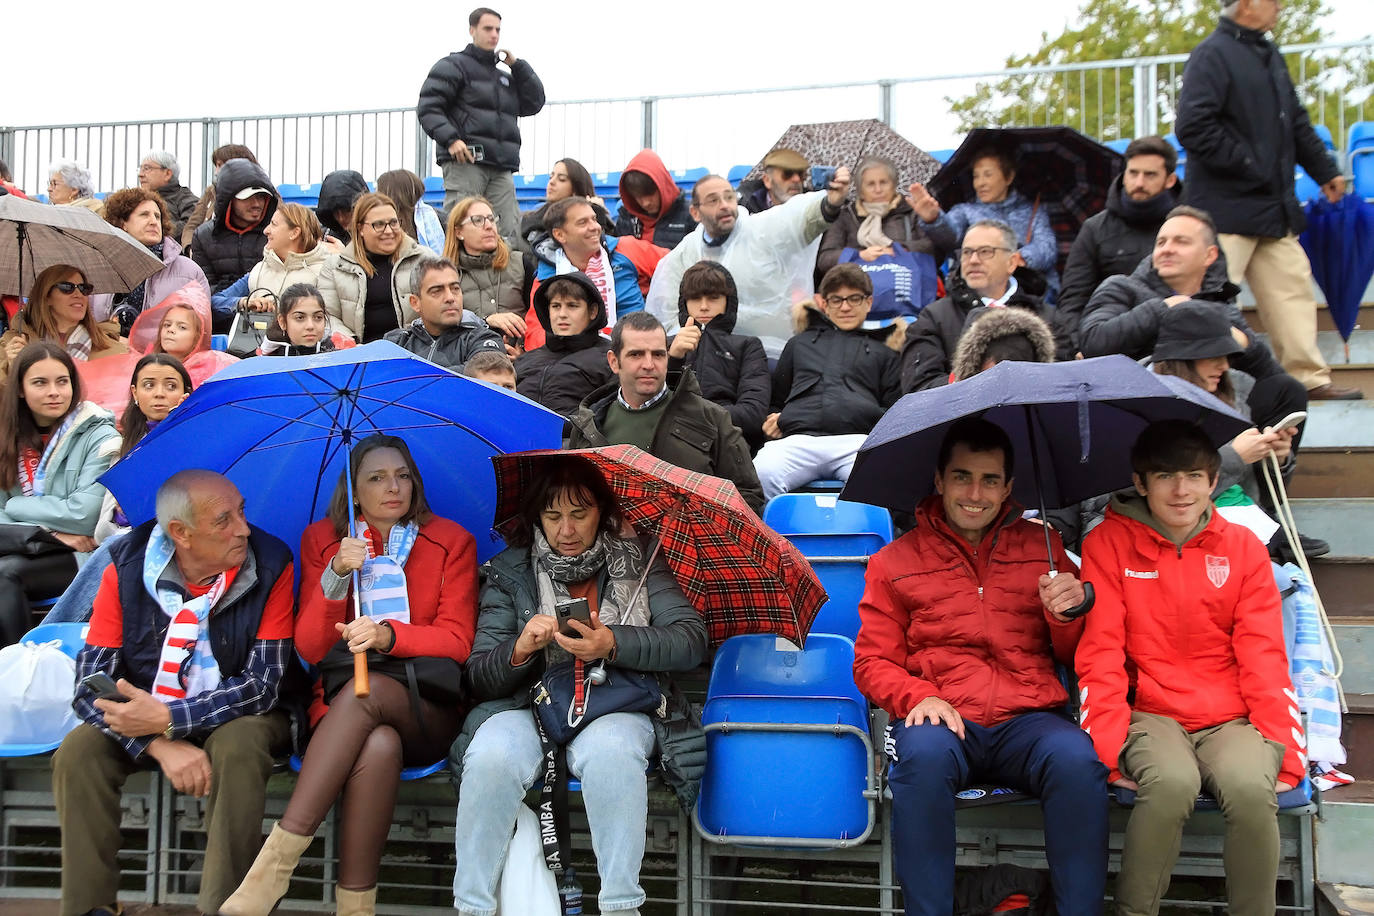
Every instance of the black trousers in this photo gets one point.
(23, 579)
(1271, 400)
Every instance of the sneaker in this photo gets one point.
(1282, 553)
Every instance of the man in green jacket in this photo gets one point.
(675, 424)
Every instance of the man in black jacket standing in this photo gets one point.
(1114, 241)
(1244, 129)
(471, 110)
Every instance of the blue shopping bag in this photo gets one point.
(904, 282)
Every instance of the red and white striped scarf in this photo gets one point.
(183, 633)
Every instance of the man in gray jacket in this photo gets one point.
(446, 334)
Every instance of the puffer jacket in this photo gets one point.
(565, 369)
(900, 224)
(1245, 129)
(986, 326)
(72, 491)
(830, 382)
(487, 290)
(274, 275)
(467, 97)
(674, 220)
(1124, 315)
(343, 284)
(339, 190)
(940, 618)
(1196, 629)
(223, 252)
(454, 347)
(177, 271)
(674, 640)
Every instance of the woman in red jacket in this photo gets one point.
(418, 598)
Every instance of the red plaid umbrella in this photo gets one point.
(741, 576)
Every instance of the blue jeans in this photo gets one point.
(1039, 752)
(503, 762)
(76, 602)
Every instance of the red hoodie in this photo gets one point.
(647, 161)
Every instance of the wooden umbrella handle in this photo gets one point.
(361, 687)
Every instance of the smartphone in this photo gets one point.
(821, 176)
(327, 232)
(103, 686)
(1293, 419)
(479, 153)
(572, 609)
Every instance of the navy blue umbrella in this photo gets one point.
(1075, 423)
(1340, 244)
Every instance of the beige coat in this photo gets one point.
(274, 274)
(344, 287)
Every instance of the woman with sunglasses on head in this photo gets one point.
(59, 310)
(366, 287)
(493, 276)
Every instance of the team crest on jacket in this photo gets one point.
(1218, 570)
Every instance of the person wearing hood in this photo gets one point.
(180, 327)
(159, 172)
(986, 278)
(731, 368)
(339, 191)
(445, 333)
(993, 336)
(366, 286)
(228, 246)
(833, 383)
(652, 206)
(671, 422)
(295, 253)
(1183, 672)
(144, 215)
(205, 207)
(572, 362)
(471, 109)
(1113, 241)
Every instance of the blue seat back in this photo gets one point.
(434, 191)
(1361, 153)
(941, 155)
(1118, 145)
(71, 635)
(737, 174)
(1172, 140)
(823, 525)
(1304, 185)
(1325, 133)
(407, 773)
(843, 581)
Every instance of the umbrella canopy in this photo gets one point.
(280, 427)
(34, 237)
(740, 575)
(1339, 240)
(1069, 173)
(847, 142)
(1080, 417)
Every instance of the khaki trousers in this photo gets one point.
(1232, 762)
(1280, 276)
(89, 771)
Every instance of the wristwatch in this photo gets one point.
(167, 732)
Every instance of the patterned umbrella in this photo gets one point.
(1069, 173)
(847, 142)
(35, 236)
(741, 576)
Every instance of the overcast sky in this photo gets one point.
(112, 60)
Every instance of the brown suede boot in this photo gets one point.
(268, 879)
(355, 903)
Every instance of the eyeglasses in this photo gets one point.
(982, 252)
(385, 225)
(152, 167)
(478, 221)
(853, 300)
(68, 288)
(716, 200)
(789, 174)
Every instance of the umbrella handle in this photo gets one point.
(362, 688)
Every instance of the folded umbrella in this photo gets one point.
(740, 575)
(35, 236)
(1339, 241)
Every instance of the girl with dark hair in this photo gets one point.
(418, 599)
(302, 327)
(567, 178)
(418, 219)
(53, 448)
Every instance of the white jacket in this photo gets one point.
(343, 284)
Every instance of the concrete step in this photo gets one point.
(1341, 424)
(1355, 640)
(1365, 320)
(1333, 473)
(1247, 298)
(1346, 585)
(1346, 524)
(1336, 351)
(1355, 375)
(1344, 900)
(1345, 837)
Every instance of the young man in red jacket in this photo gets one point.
(1188, 615)
(960, 629)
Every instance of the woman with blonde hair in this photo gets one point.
(59, 310)
(366, 287)
(295, 252)
(492, 275)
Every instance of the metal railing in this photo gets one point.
(1105, 99)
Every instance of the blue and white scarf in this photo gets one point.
(31, 479)
(187, 667)
(383, 578)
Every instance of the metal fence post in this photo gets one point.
(647, 126)
(423, 153)
(885, 101)
(209, 140)
(7, 144)
(1143, 94)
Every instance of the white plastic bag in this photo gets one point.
(37, 683)
(527, 886)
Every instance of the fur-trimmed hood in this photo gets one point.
(986, 325)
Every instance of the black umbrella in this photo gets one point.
(1067, 172)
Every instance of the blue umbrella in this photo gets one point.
(280, 428)
(1340, 244)
(1075, 420)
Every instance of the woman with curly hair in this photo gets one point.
(144, 215)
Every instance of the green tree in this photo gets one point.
(1101, 101)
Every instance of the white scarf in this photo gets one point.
(604, 279)
(79, 343)
(187, 645)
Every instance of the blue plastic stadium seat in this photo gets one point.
(1325, 133)
(1360, 149)
(1118, 145)
(685, 178)
(289, 193)
(1296, 798)
(941, 155)
(789, 759)
(434, 190)
(1172, 140)
(737, 174)
(1304, 185)
(407, 773)
(72, 637)
(606, 184)
(308, 195)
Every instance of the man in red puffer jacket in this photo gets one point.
(960, 628)
(1189, 618)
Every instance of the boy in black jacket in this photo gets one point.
(832, 384)
(731, 369)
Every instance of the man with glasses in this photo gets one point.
(985, 280)
(446, 334)
(784, 177)
(159, 172)
(832, 384)
(471, 108)
(192, 625)
(771, 255)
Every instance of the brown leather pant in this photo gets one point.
(358, 749)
